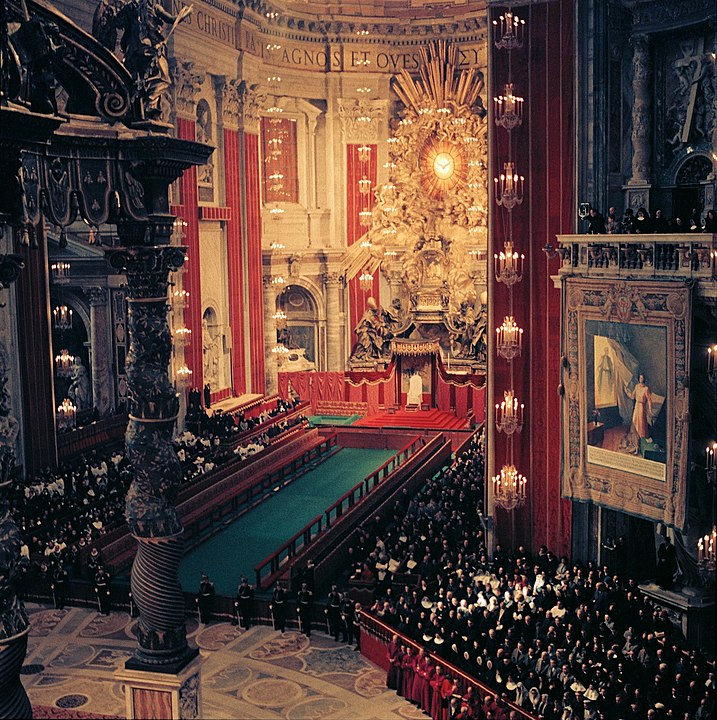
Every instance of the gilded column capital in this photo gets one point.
(186, 82)
(360, 119)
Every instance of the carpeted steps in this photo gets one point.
(432, 419)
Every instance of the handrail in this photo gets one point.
(381, 633)
(334, 512)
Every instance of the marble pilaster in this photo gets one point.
(334, 322)
(638, 187)
(270, 336)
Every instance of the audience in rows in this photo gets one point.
(64, 509)
(563, 640)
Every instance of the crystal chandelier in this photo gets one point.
(182, 334)
(508, 32)
(365, 217)
(279, 319)
(712, 359)
(278, 281)
(63, 363)
(707, 556)
(366, 280)
(509, 339)
(364, 153)
(508, 265)
(508, 109)
(184, 374)
(509, 414)
(509, 187)
(509, 488)
(181, 297)
(62, 317)
(364, 185)
(60, 272)
(276, 246)
(66, 415)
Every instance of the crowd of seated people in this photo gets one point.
(228, 425)
(64, 509)
(641, 222)
(561, 640)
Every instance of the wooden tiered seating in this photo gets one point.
(341, 408)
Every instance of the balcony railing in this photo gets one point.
(685, 256)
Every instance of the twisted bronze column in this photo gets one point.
(154, 405)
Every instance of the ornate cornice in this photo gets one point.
(360, 119)
(307, 27)
(661, 15)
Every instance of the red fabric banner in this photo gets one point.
(355, 202)
(192, 277)
(545, 156)
(235, 261)
(253, 263)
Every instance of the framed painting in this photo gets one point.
(626, 399)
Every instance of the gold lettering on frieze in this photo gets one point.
(342, 59)
(203, 21)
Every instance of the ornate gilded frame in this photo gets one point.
(633, 303)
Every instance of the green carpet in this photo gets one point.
(323, 420)
(247, 541)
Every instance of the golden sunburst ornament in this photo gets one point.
(442, 164)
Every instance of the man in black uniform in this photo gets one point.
(59, 585)
(347, 608)
(306, 601)
(245, 597)
(103, 590)
(277, 608)
(204, 599)
(333, 612)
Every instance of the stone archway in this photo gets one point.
(300, 331)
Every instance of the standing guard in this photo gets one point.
(306, 602)
(204, 599)
(244, 603)
(333, 612)
(103, 590)
(346, 612)
(277, 608)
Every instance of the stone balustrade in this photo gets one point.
(683, 256)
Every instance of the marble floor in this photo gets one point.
(246, 674)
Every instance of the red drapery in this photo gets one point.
(192, 276)
(235, 260)
(254, 268)
(543, 73)
(285, 161)
(354, 230)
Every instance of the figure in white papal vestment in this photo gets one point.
(642, 416)
(415, 390)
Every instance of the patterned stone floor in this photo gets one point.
(254, 674)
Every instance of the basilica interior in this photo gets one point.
(394, 320)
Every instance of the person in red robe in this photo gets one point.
(399, 669)
(436, 684)
(394, 661)
(419, 678)
(448, 687)
(427, 690)
(408, 666)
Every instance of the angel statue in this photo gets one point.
(143, 44)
